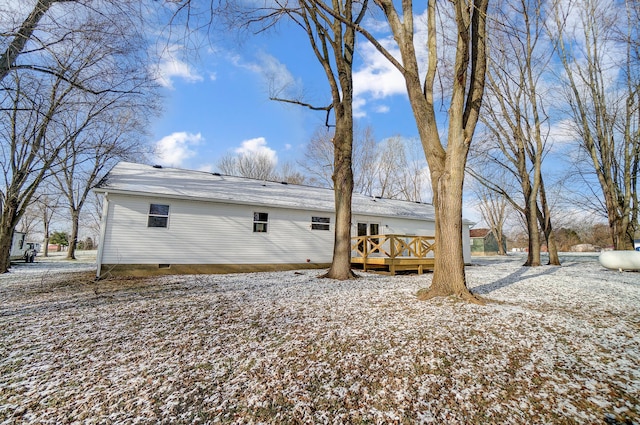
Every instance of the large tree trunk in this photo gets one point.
(8, 222)
(6, 233)
(343, 190)
(343, 45)
(544, 216)
(46, 236)
(449, 273)
(533, 256)
(619, 225)
(73, 237)
(449, 276)
(501, 244)
(554, 258)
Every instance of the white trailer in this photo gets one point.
(21, 249)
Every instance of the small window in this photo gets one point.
(260, 221)
(320, 223)
(158, 215)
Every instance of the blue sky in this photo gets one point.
(218, 102)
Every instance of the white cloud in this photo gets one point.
(257, 146)
(563, 132)
(378, 78)
(382, 109)
(280, 80)
(171, 67)
(174, 149)
(277, 77)
(359, 103)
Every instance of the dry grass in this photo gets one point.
(559, 345)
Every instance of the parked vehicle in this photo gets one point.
(21, 249)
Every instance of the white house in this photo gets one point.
(160, 220)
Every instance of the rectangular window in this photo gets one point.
(320, 223)
(374, 230)
(158, 215)
(260, 221)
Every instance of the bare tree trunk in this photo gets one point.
(334, 44)
(45, 221)
(501, 244)
(8, 222)
(544, 216)
(6, 234)
(343, 182)
(533, 255)
(448, 277)
(343, 190)
(73, 237)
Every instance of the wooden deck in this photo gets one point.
(393, 253)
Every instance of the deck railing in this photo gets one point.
(396, 250)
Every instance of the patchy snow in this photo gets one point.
(556, 345)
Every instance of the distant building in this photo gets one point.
(584, 247)
(484, 242)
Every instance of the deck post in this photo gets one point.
(365, 253)
(392, 246)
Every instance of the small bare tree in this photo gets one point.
(287, 172)
(256, 165)
(493, 207)
(317, 158)
(393, 168)
(112, 136)
(253, 165)
(46, 204)
(401, 170)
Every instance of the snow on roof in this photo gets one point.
(138, 179)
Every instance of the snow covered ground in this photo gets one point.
(556, 345)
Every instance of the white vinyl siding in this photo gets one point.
(202, 232)
(210, 233)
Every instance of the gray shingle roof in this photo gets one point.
(131, 178)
